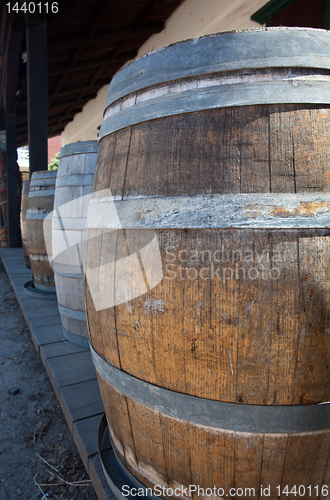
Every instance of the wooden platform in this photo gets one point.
(69, 368)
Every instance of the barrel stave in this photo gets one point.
(170, 452)
(239, 146)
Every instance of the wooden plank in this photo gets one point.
(45, 321)
(273, 462)
(248, 460)
(49, 334)
(254, 149)
(306, 461)
(85, 435)
(285, 321)
(16, 268)
(167, 156)
(96, 475)
(118, 417)
(37, 303)
(43, 312)
(119, 162)
(11, 254)
(281, 151)
(105, 345)
(212, 450)
(82, 400)
(151, 466)
(312, 170)
(53, 350)
(19, 281)
(312, 381)
(72, 368)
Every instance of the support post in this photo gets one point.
(36, 39)
(11, 154)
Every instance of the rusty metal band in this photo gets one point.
(76, 339)
(251, 210)
(73, 270)
(76, 148)
(228, 51)
(74, 180)
(42, 192)
(43, 174)
(240, 94)
(36, 216)
(42, 182)
(72, 313)
(218, 414)
(44, 288)
(221, 52)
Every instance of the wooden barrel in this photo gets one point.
(4, 201)
(207, 264)
(24, 207)
(72, 194)
(3, 236)
(40, 204)
(3, 188)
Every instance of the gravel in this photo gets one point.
(38, 457)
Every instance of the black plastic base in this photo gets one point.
(36, 293)
(116, 473)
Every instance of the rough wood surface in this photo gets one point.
(168, 452)
(24, 206)
(247, 319)
(70, 204)
(41, 270)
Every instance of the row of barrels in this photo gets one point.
(47, 211)
(206, 262)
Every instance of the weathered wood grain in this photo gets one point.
(241, 315)
(41, 270)
(24, 206)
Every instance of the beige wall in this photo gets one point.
(193, 18)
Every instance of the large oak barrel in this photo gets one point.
(40, 204)
(72, 195)
(24, 207)
(207, 264)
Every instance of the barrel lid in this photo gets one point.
(78, 148)
(275, 47)
(43, 174)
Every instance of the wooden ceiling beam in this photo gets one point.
(90, 64)
(138, 25)
(143, 19)
(87, 89)
(94, 26)
(112, 36)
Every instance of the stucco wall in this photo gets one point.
(193, 18)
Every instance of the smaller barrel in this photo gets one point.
(40, 204)
(3, 236)
(4, 204)
(72, 194)
(24, 207)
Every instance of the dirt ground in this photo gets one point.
(38, 458)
